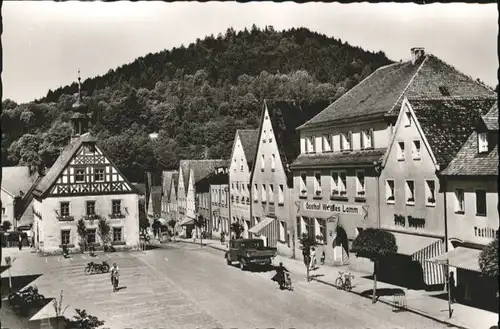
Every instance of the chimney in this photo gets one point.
(417, 54)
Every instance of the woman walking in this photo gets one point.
(115, 275)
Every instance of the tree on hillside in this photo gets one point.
(306, 243)
(375, 244)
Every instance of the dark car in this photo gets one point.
(249, 252)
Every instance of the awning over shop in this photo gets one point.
(460, 257)
(409, 244)
(186, 221)
(261, 225)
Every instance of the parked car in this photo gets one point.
(249, 252)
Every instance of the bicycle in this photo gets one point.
(344, 281)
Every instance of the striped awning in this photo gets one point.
(186, 221)
(460, 257)
(261, 225)
(409, 244)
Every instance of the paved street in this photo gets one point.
(185, 286)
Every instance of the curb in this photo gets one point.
(415, 311)
(412, 310)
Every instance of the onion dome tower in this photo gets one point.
(80, 119)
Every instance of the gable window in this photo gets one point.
(90, 208)
(264, 135)
(407, 118)
(459, 201)
(65, 237)
(360, 183)
(317, 181)
(326, 143)
(99, 174)
(311, 144)
(482, 142)
(241, 164)
(262, 162)
(430, 192)
(64, 207)
(281, 195)
(79, 175)
(270, 136)
(480, 203)
(416, 150)
(367, 139)
(271, 193)
(273, 162)
(389, 191)
(255, 192)
(410, 192)
(117, 234)
(346, 141)
(401, 151)
(303, 183)
(263, 196)
(116, 207)
(339, 183)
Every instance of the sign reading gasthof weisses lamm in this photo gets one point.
(331, 207)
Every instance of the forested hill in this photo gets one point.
(193, 96)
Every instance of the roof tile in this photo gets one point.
(383, 91)
(447, 122)
(249, 142)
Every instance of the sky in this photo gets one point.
(45, 43)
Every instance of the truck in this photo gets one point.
(249, 253)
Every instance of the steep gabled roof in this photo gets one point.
(249, 141)
(468, 162)
(447, 122)
(200, 169)
(382, 92)
(491, 118)
(62, 161)
(16, 179)
(167, 177)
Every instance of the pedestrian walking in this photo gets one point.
(115, 276)
(452, 287)
(20, 242)
(312, 264)
(222, 236)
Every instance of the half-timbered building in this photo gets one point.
(84, 184)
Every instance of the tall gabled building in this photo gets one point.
(470, 183)
(337, 172)
(242, 157)
(190, 172)
(428, 134)
(278, 145)
(168, 197)
(84, 184)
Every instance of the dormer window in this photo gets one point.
(310, 147)
(326, 143)
(367, 139)
(482, 142)
(346, 141)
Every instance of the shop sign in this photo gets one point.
(332, 207)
